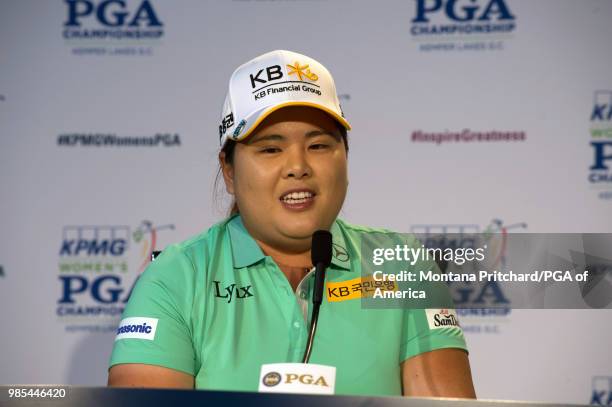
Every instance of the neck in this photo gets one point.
(297, 260)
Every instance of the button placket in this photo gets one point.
(285, 297)
(294, 306)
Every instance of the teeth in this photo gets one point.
(297, 197)
(294, 201)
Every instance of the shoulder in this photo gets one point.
(361, 229)
(368, 232)
(189, 256)
(359, 237)
(205, 238)
(200, 244)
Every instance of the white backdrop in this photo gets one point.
(542, 77)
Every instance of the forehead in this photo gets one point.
(300, 118)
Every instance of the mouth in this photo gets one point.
(298, 199)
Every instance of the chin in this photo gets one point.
(299, 228)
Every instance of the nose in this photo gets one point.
(297, 165)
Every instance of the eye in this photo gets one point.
(270, 150)
(319, 146)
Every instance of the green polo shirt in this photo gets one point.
(217, 308)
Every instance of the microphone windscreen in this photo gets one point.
(321, 250)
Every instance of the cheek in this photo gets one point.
(342, 185)
(341, 169)
(337, 174)
(252, 183)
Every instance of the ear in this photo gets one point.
(228, 173)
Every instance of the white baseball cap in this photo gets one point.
(272, 81)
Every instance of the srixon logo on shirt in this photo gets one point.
(232, 291)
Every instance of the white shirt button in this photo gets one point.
(296, 324)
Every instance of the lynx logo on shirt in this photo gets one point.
(137, 328)
(441, 318)
(232, 291)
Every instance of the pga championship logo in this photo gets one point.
(600, 169)
(471, 299)
(95, 278)
(102, 22)
(444, 25)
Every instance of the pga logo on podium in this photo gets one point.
(300, 378)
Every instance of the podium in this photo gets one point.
(124, 397)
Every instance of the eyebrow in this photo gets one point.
(280, 137)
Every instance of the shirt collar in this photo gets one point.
(246, 251)
(340, 256)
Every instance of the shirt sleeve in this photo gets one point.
(423, 332)
(427, 329)
(155, 327)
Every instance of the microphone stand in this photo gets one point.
(317, 299)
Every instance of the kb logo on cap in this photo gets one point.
(273, 73)
(300, 71)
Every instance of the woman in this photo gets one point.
(210, 311)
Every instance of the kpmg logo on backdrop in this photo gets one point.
(462, 25)
(600, 170)
(602, 391)
(471, 298)
(97, 271)
(112, 27)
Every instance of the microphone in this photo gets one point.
(321, 255)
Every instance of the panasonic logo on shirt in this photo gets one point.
(137, 328)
